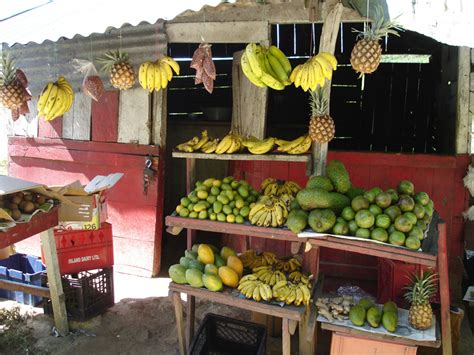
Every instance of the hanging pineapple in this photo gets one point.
(365, 56)
(11, 90)
(421, 289)
(321, 125)
(122, 75)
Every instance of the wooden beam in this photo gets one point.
(217, 32)
(289, 12)
(327, 43)
(249, 109)
(54, 279)
(77, 121)
(159, 114)
(31, 289)
(134, 115)
(463, 126)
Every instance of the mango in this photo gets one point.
(390, 321)
(357, 315)
(374, 316)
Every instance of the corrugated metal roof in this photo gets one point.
(39, 20)
(45, 62)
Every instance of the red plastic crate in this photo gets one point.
(392, 277)
(80, 250)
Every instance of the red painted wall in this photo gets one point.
(440, 176)
(136, 218)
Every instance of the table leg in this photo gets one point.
(191, 306)
(58, 300)
(286, 337)
(178, 311)
(444, 290)
(307, 336)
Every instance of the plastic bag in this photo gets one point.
(92, 85)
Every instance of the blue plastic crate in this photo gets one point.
(22, 268)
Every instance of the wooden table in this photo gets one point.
(292, 316)
(41, 223)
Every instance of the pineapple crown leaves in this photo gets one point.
(379, 27)
(110, 58)
(422, 287)
(7, 69)
(318, 102)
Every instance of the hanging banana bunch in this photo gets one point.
(314, 72)
(55, 99)
(154, 76)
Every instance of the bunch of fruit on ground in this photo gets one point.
(329, 204)
(269, 278)
(226, 200)
(235, 143)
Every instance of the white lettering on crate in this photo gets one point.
(83, 259)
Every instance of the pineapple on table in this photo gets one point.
(122, 75)
(419, 292)
(366, 54)
(12, 94)
(321, 125)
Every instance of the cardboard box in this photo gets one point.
(89, 209)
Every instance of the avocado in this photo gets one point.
(397, 238)
(393, 212)
(359, 203)
(297, 220)
(419, 211)
(406, 203)
(379, 234)
(403, 224)
(383, 199)
(406, 187)
(416, 232)
(348, 213)
(337, 173)
(320, 182)
(393, 195)
(341, 228)
(374, 316)
(321, 220)
(422, 198)
(364, 219)
(357, 315)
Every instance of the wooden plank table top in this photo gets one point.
(40, 222)
(302, 158)
(383, 337)
(226, 297)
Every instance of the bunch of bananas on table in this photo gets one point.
(258, 146)
(231, 143)
(314, 72)
(299, 277)
(297, 146)
(269, 211)
(267, 275)
(291, 293)
(266, 66)
(55, 99)
(196, 143)
(292, 264)
(271, 186)
(252, 260)
(154, 76)
(251, 287)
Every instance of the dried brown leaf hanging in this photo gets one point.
(204, 65)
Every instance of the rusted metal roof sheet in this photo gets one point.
(45, 62)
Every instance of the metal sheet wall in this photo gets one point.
(46, 61)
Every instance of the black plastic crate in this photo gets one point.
(88, 293)
(220, 335)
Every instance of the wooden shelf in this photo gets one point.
(303, 158)
(179, 223)
(40, 222)
(228, 298)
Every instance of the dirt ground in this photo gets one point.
(143, 322)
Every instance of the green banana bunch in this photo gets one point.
(266, 66)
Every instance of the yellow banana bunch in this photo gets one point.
(55, 99)
(291, 293)
(154, 76)
(268, 211)
(194, 144)
(231, 143)
(251, 260)
(255, 289)
(299, 277)
(210, 146)
(261, 146)
(314, 71)
(293, 264)
(299, 145)
(280, 188)
(268, 276)
(266, 66)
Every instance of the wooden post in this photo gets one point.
(463, 124)
(444, 290)
(54, 280)
(191, 308)
(178, 311)
(286, 337)
(327, 43)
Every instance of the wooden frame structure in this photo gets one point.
(41, 223)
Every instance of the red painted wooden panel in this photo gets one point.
(50, 129)
(105, 117)
(136, 217)
(439, 176)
